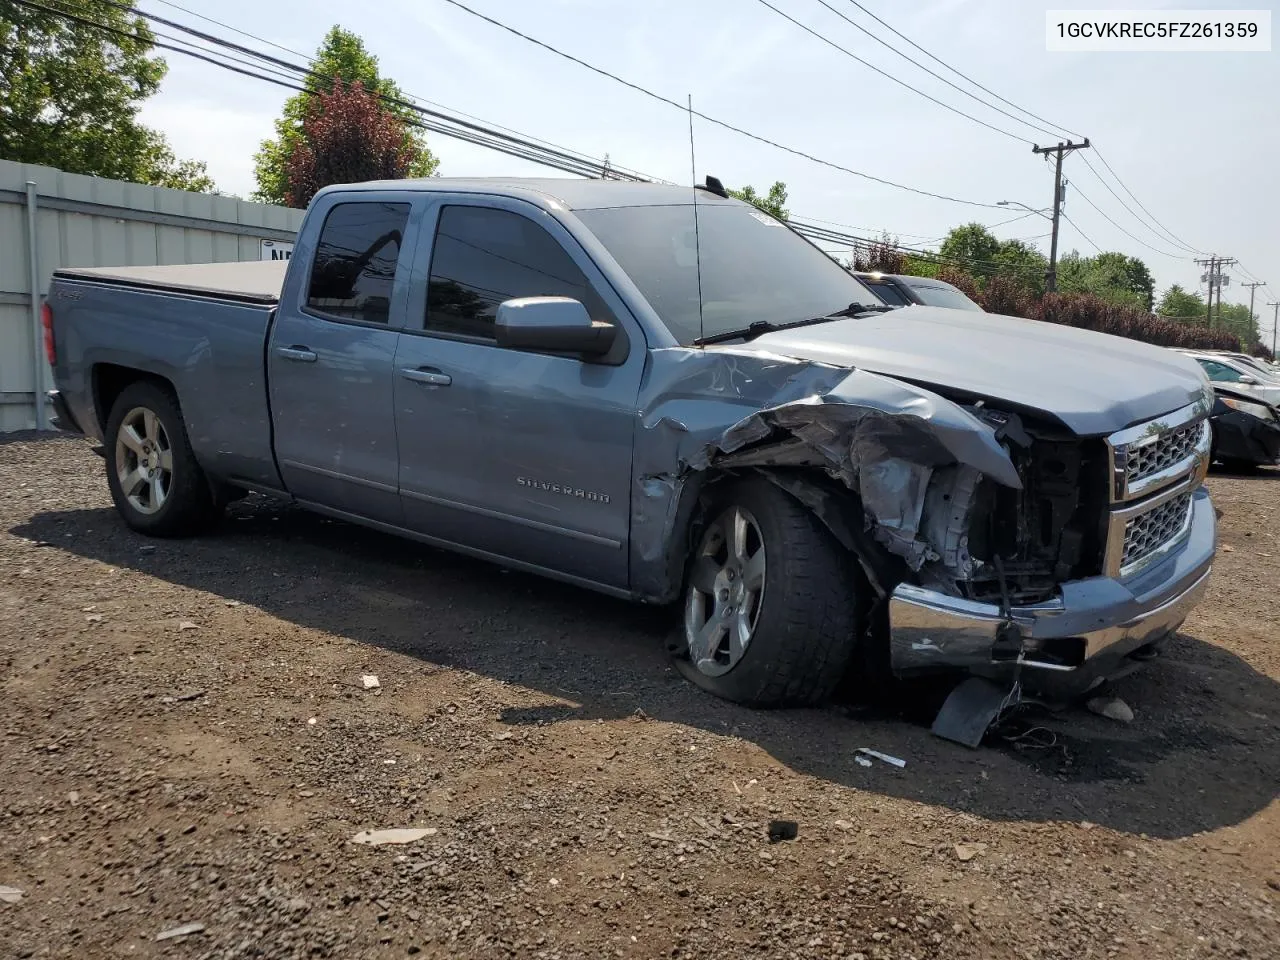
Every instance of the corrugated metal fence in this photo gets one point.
(68, 220)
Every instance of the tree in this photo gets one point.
(341, 56)
(1114, 277)
(774, 204)
(70, 95)
(1236, 318)
(971, 248)
(1022, 266)
(1181, 304)
(347, 137)
(882, 256)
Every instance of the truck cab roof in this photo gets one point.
(568, 193)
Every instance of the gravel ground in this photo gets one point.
(185, 738)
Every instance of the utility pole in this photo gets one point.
(1253, 287)
(1213, 276)
(1275, 322)
(1051, 275)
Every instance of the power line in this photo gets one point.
(1130, 211)
(1182, 243)
(1170, 235)
(434, 121)
(888, 76)
(963, 76)
(1083, 196)
(529, 149)
(1082, 233)
(709, 119)
(312, 60)
(937, 76)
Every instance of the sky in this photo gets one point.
(1194, 136)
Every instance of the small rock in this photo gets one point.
(1086, 825)
(94, 618)
(232, 603)
(312, 722)
(967, 851)
(780, 830)
(188, 625)
(844, 825)
(147, 548)
(183, 931)
(10, 894)
(1113, 708)
(306, 794)
(375, 838)
(370, 681)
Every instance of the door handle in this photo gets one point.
(301, 354)
(428, 375)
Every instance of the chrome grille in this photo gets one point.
(1172, 448)
(1146, 533)
(1156, 455)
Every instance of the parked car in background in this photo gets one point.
(1233, 374)
(900, 290)
(1246, 430)
(578, 379)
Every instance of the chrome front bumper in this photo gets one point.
(1085, 632)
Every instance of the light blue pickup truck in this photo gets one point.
(665, 394)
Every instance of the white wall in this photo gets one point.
(90, 222)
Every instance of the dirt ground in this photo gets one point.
(185, 739)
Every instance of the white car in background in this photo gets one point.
(1238, 374)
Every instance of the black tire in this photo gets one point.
(1233, 465)
(188, 505)
(806, 622)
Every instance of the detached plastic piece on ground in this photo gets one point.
(969, 711)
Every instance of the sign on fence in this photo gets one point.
(276, 250)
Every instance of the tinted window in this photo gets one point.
(355, 265)
(887, 292)
(753, 267)
(1219, 372)
(938, 294)
(484, 256)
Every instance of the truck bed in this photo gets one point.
(255, 281)
(201, 328)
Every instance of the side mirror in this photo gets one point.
(558, 324)
(1249, 380)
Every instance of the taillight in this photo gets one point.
(46, 321)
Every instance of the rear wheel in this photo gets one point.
(155, 481)
(770, 603)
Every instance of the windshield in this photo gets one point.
(754, 269)
(887, 292)
(939, 294)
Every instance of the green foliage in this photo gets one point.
(1236, 318)
(1114, 277)
(972, 248)
(1181, 304)
(1021, 266)
(342, 55)
(70, 95)
(774, 203)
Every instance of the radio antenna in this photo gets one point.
(697, 240)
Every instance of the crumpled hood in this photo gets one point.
(1093, 383)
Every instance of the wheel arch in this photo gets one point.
(109, 380)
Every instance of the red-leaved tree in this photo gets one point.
(348, 137)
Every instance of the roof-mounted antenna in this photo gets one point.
(697, 241)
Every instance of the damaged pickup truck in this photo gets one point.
(609, 384)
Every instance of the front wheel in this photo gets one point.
(770, 604)
(156, 483)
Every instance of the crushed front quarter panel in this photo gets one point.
(882, 438)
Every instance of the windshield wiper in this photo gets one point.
(761, 327)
